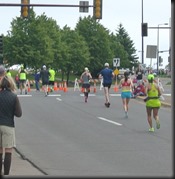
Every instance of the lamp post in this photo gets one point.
(142, 38)
(158, 45)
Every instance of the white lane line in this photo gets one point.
(59, 99)
(88, 95)
(25, 95)
(167, 94)
(115, 94)
(54, 95)
(104, 119)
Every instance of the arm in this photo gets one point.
(120, 84)
(81, 76)
(90, 76)
(18, 110)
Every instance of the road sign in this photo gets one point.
(116, 71)
(84, 6)
(116, 62)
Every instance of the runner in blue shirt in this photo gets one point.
(107, 74)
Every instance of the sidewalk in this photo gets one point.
(23, 167)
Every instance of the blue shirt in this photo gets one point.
(37, 76)
(107, 74)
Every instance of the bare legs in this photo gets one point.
(125, 105)
(155, 116)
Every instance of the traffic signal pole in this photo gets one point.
(44, 5)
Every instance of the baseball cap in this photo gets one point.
(2, 70)
(150, 76)
(106, 64)
(86, 69)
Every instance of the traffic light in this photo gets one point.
(25, 9)
(1, 44)
(144, 29)
(160, 60)
(98, 9)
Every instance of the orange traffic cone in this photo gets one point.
(49, 89)
(28, 86)
(55, 87)
(95, 89)
(65, 87)
(82, 90)
(115, 87)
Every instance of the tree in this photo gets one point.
(97, 38)
(74, 54)
(127, 43)
(32, 41)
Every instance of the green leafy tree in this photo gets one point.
(124, 39)
(97, 38)
(32, 41)
(74, 54)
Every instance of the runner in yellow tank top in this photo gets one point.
(153, 102)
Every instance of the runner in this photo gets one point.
(22, 79)
(107, 75)
(152, 101)
(85, 78)
(44, 74)
(127, 87)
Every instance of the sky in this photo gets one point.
(127, 12)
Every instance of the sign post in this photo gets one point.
(116, 63)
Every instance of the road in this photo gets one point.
(64, 136)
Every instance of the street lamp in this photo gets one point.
(142, 37)
(158, 46)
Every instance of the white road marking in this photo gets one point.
(25, 95)
(88, 95)
(59, 99)
(104, 119)
(115, 94)
(54, 95)
(167, 94)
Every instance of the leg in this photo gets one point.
(1, 162)
(125, 106)
(20, 87)
(25, 87)
(156, 117)
(127, 103)
(149, 110)
(85, 94)
(7, 160)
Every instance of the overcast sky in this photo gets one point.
(127, 12)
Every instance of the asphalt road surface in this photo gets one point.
(66, 137)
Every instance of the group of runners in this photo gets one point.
(151, 90)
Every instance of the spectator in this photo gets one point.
(139, 90)
(9, 107)
(37, 78)
(17, 80)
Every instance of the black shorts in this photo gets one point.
(22, 82)
(86, 85)
(45, 82)
(51, 83)
(107, 85)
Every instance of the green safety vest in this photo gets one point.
(22, 75)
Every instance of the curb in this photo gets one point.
(163, 104)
